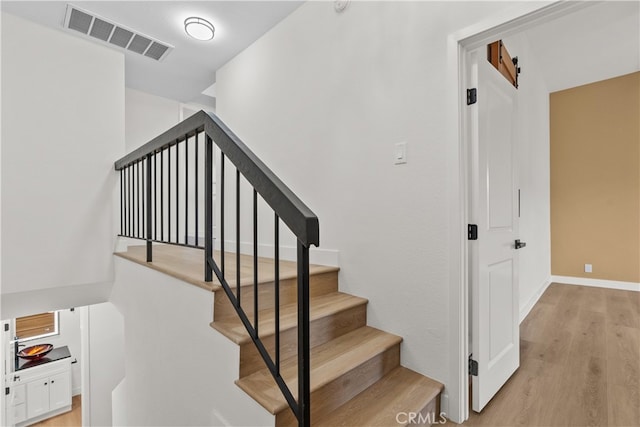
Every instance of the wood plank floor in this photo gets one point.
(579, 363)
(69, 419)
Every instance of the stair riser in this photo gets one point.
(319, 284)
(431, 413)
(322, 330)
(337, 392)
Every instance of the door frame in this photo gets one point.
(513, 20)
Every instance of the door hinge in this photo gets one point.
(473, 367)
(472, 232)
(472, 96)
(6, 391)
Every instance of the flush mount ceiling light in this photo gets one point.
(198, 28)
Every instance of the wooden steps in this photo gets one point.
(356, 377)
(402, 391)
(323, 280)
(321, 308)
(347, 364)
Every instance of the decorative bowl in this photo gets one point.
(35, 351)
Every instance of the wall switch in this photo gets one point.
(400, 153)
(588, 268)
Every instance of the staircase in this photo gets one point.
(356, 376)
(306, 353)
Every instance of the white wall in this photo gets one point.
(147, 116)
(322, 98)
(533, 123)
(63, 126)
(106, 367)
(179, 371)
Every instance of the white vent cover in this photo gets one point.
(95, 26)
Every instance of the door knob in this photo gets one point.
(519, 244)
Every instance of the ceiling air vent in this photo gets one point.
(99, 28)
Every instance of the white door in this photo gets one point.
(494, 208)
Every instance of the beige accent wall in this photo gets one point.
(595, 180)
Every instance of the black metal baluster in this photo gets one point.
(148, 203)
(186, 189)
(177, 195)
(155, 196)
(162, 195)
(121, 202)
(130, 230)
(126, 200)
(132, 194)
(255, 261)
(208, 208)
(222, 212)
(276, 284)
(196, 188)
(143, 198)
(304, 365)
(134, 186)
(169, 194)
(138, 198)
(238, 236)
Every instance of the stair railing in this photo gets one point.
(147, 189)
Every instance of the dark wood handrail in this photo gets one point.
(294, 213)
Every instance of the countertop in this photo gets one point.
(58, 353)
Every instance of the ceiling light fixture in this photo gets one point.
(199, 28)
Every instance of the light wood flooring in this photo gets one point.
(69, 419)
(579, 363)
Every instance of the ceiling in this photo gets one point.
(595, 43)
(190, 68)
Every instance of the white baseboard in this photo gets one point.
(76, 391)
(328, 257)
(444, 405)
(123, 243)
(524, 311)
(598, 283)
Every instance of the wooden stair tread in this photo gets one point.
(401, 390)
(187, 264)
(320, 306)
(328, 362)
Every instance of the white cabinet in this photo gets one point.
(40, 392)
(48, 394)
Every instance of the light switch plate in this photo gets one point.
(400, 153)
(588, 268)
